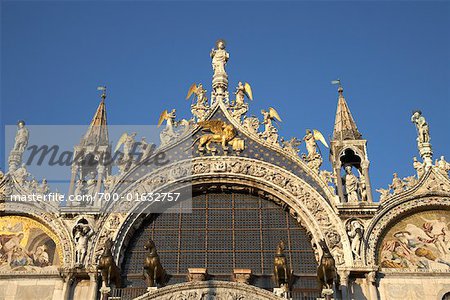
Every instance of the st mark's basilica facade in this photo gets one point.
(265, 221)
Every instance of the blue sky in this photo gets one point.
(392, 57)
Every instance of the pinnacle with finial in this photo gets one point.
(344, 125)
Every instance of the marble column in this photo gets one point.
(93, 286)
(100, 176)
(343, 284)
(365, 169)
(73, 178)
(340, 186)
(371, 279)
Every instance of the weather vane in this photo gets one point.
(103, 89)
(337, 81)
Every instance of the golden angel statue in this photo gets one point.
(169, 117)
(239, 107)
(167, 133)
(200, 93)
(127, 140)
(200, 108)
(269, 116)
(311, 139)
(243, 90)
(270, 132)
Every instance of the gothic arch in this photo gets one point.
(305, 203)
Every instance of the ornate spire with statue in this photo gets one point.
(219, 58)
(423, 138)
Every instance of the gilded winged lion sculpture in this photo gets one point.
(222, 133)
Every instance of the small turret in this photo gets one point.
(88, 169)
(348, 152)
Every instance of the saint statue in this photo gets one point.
(397, 184)
(362, 188)
(219, 57)
(80, 187)
(21, 140)
(443, 166)
(422, 127)
(91, 183)
(355, 231)
(43, 187)
(351, 185)
(81, 235)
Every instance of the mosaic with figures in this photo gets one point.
(420, 241)
(26, 245)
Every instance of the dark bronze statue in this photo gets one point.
(326, 271)
(154, 273)
(108, 267)
(281, 271)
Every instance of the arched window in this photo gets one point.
(223, 232)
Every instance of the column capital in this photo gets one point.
(365, 164)
(371, 276)
(343, 277)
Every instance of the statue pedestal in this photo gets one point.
(282, 293)
(242, 275)
(105, 290)
(14, 160)
(327, 294)
(197, 274)
(220, 81)
(427, 154)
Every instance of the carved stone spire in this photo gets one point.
(348, 155)
(219, 58)
(97, 133)
(344, 124)
(89, 169)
